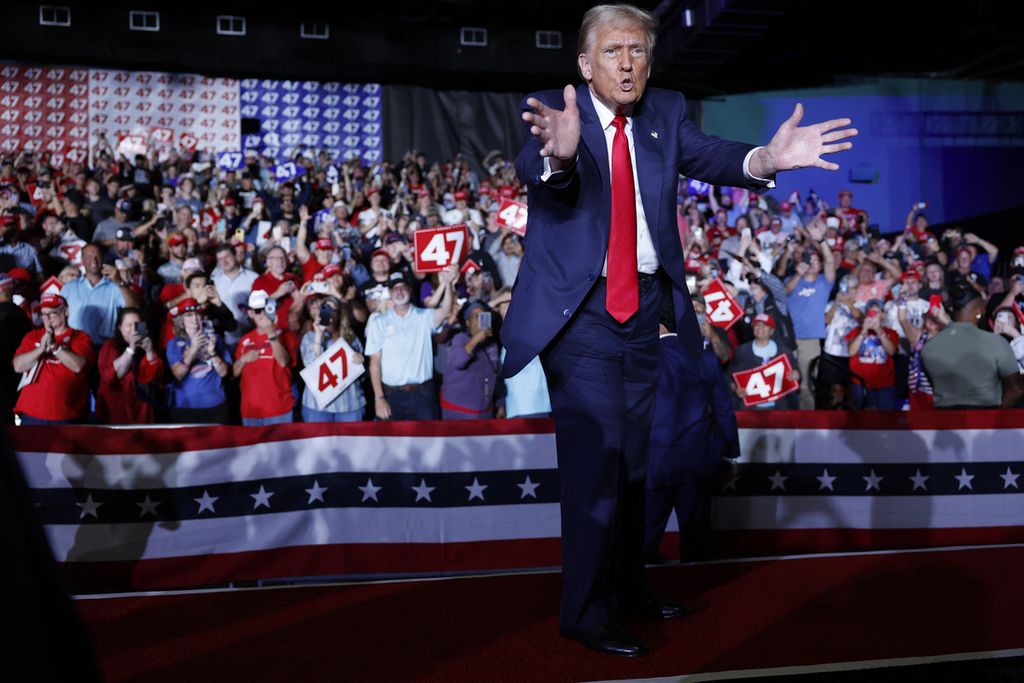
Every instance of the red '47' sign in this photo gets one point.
(513, 215)
(766, 383)
(723, 309)
(332, 372)
(436, 248)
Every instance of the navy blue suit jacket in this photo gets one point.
(694, 422)
(568, 225)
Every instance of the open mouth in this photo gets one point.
(626, 86)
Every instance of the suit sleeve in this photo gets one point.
(710, 158)
(724, 413)
(530, 166)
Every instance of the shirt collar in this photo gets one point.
(604, 114)
(668, 334)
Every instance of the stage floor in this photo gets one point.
(751, 618)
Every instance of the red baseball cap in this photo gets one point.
(52, 301)
(325, 243)
(187, 305)
(764, 318)
(229, 201)
(176, 239)
(380, 252)
(330, 269)
(20, 274)
(785, 206)
(910, 274)
(461, 194)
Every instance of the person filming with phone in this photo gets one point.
(472, 365)
(129, 369)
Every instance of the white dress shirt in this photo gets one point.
(646, 255)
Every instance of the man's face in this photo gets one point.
(91, 259)
(845, 200)
(964, 258)
(54, 319)
(617, 66)
(866, 275)
(912, 287)
(762, 331)
(226, 260)
(276, 262)
(197, 289)
(399, 294)
(178, 250)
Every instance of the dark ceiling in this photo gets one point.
(732, 46)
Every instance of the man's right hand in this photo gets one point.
(557, 130)
(382, 409)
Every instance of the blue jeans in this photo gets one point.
(283, 418)
(874, 399)
(314, 415)
(418, 404)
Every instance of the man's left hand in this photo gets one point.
(794, 147)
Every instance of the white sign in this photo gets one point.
(332, 372)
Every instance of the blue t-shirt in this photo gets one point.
(202, 386)
(807, 308)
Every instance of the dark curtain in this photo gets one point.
(442, 124)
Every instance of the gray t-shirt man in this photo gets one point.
(966, 366)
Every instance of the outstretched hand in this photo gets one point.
(557, 130)
(794, 147)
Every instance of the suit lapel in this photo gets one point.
(648, 168)
(593, 135)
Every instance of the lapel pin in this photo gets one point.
(654, 134)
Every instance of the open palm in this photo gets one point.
(794, 147)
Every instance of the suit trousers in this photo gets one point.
(602, 377)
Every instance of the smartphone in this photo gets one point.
(326, 314)
(745, 232)
(1005, 317)
(140, 328)
(240, 234)
(484, 320)
(873, 313)
(208, 328)
(934, 301)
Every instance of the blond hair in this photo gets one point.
(604, 15)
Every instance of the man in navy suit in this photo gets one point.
(693, 428)
(602, 249)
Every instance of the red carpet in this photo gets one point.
(766, 613)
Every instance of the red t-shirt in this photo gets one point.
(266, 386)
(310, 268)
(58, 393)
(872, 363)
(117, 400)
(269, 284)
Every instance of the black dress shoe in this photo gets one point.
(608, 638)
(651, 605)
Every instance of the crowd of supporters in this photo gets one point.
(144, 290)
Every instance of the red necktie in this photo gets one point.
(622, 294)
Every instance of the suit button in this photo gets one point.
(536, 178)
(566, 312)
